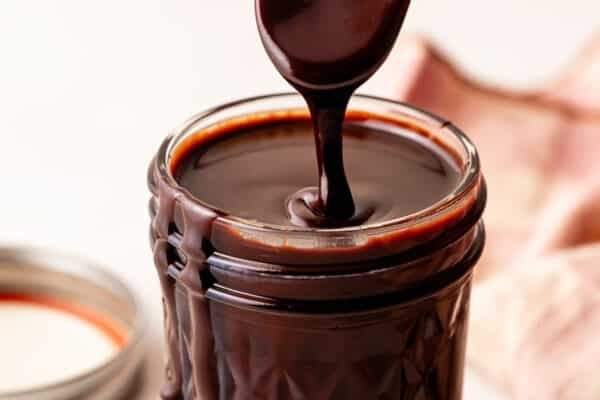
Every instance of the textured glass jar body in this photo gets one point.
(341, 314)
(411, 350)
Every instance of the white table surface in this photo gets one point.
(89, 89)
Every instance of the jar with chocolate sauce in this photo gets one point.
(259, 305)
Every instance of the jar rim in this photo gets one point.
(470, 175)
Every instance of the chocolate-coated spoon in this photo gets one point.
(326, 49)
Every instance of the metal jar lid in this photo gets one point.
(34, 272)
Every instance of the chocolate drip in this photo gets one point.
(193, 340)
(171, 389)
(335, 201)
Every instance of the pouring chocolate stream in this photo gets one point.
(326, 49)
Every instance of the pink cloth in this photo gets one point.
(536, 306)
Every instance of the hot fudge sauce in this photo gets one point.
(251, 170)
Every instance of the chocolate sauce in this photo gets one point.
(188, 335)
(326, 49)
(250, 173)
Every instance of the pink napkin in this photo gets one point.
(536, 306)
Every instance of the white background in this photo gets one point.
(89, 89)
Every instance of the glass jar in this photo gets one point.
(368, 312)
